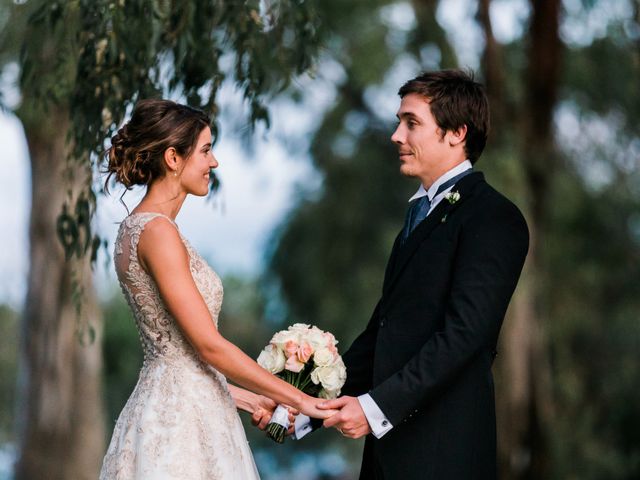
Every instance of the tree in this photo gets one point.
(82, 65)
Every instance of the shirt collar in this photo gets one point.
(461, 167)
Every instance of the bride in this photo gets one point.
(181, 421)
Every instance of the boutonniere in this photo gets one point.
(452, 197)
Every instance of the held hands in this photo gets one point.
(349, 420)
(263, 411)
(310, 406)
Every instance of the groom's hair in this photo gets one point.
(455, 100)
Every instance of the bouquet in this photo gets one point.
(307, 358)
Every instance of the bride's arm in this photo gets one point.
(244, 399)
(260, 407)
(163, 255)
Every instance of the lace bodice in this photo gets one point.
(159, 333)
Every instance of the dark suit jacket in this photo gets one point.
(426, 354)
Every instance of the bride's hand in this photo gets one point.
(263, 410)
(310, 408)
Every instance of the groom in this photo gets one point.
(419, 381)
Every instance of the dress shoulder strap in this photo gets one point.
(133, 226)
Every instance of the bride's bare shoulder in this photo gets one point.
(160, 241)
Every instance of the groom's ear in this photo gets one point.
(456, 137)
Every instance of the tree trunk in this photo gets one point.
(524, 403)
(493, 69)
(545, 58)
(539, 155)
(60, 414)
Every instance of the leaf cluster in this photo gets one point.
(143, 48)
(93, 59)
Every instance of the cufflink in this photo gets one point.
(385, 423)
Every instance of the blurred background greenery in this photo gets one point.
(562, 77)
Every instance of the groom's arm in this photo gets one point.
(491, 253)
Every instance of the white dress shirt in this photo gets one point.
(378, 422)
(458, 169)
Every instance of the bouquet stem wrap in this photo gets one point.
(277, 427)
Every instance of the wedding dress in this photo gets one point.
(180, 422)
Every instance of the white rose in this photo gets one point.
(323, 357)
(272, 359)
(341, 369)
(299, 327)
(316, 338)
(282, 337)
(331, 377)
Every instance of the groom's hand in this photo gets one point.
(350, 420)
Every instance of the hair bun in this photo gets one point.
(124, 160)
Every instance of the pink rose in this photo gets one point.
(293, 365)
(332, 348)
(290, 348)
(304, 352)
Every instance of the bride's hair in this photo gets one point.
(136, 153)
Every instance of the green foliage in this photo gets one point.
(74, 229)
(594, 268)
(593, 300)
(95, 59)
(144, 48)
(8, 370)
(603, 77)
(242, 316)
(122, 356)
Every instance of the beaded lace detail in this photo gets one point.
(180, 422)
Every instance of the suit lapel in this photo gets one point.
(392, 259)
(401, 254)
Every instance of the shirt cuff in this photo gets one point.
(302, 426)
(378, 422)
